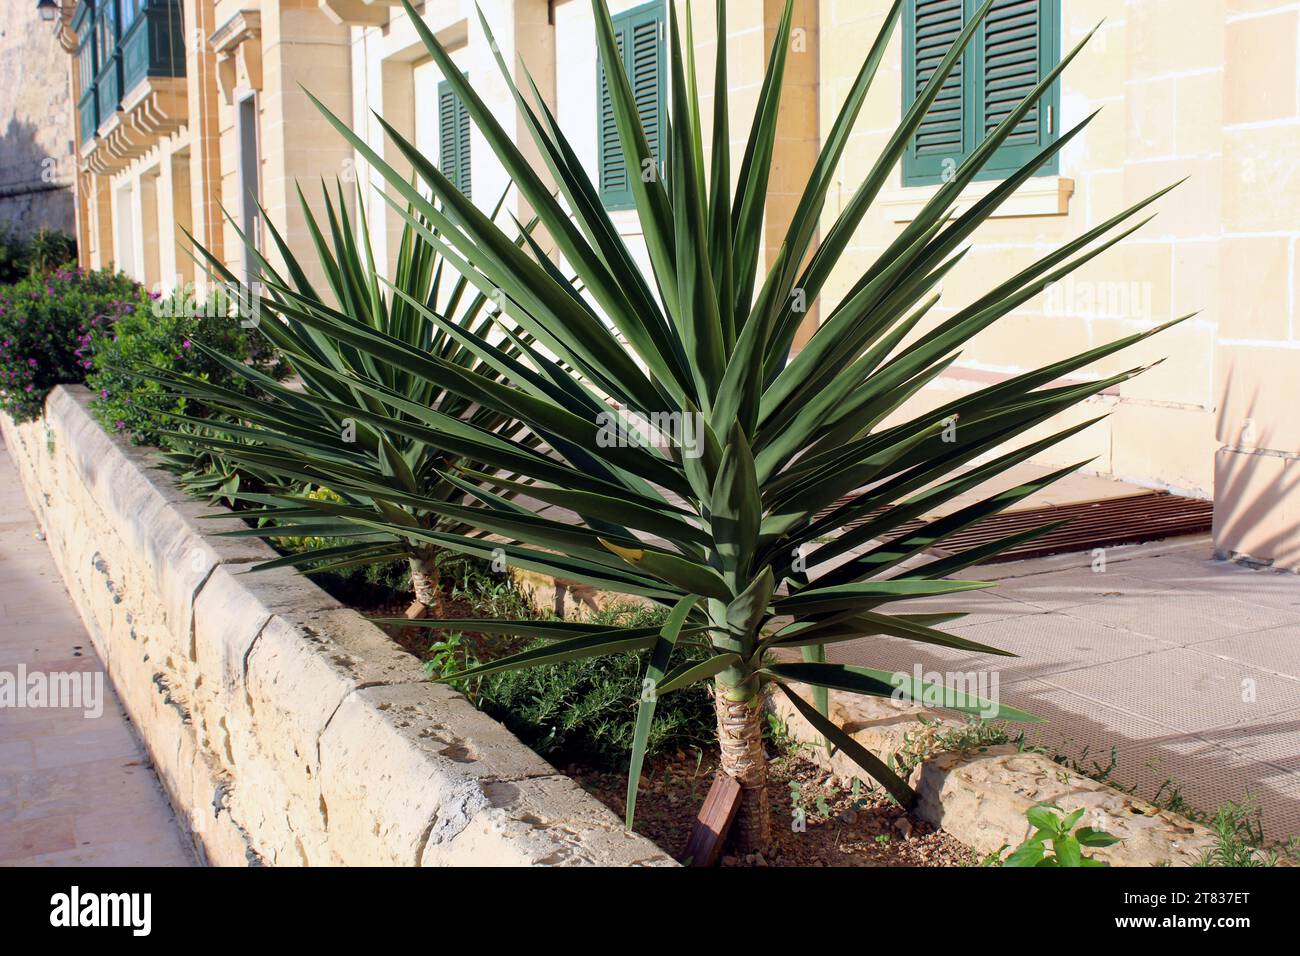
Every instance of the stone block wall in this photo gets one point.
(37, 162)
(285, 728)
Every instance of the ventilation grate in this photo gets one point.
(1090, 524)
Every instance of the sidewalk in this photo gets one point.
(74, 790)
(1187, 666)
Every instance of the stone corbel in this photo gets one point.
(360, 13)
(67, 37)
(238, 45)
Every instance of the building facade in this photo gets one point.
(37, 159)
(186, 107)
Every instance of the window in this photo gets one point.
(640, 36)
(86, 61)
(130, 8)
(249, 181)
(453, 138)
(106, 26)
(1018, 44)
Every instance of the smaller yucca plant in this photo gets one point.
(318, 431)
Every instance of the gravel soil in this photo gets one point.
(839, 828)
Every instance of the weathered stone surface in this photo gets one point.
(286, 729)
(981, 797)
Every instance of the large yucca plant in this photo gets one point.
(768, 510)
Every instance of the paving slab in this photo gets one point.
(1187, 667)
(75, 790)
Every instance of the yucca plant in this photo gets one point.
(317, 432)
(759, 494)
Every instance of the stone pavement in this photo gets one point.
(74, 790)
(1188, 667)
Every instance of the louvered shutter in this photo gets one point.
(639, 34)
(615, 190)
(453, 138)
(1017, 44)
(1018, 48)
(947, 133)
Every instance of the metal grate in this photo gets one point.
(1090, 524)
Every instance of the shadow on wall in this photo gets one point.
(1255, 492)
(35, 186)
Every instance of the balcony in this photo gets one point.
(153, 45)
(133, 85)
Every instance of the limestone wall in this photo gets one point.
(285, 728)
(37, 164)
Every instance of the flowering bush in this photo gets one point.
(162, 335)
(46, 326)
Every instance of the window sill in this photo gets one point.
(1040, 196)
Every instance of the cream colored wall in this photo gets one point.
(150, 247)
(301, 47)
(1257, 359)
(1128, 151)
(389, 62)
(1205, 89)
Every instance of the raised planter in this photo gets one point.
(285, 728)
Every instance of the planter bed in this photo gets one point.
(289, 730)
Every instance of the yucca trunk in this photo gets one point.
(426, 582)
(740, 746)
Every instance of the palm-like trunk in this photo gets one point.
(426, 582)
(740, 743)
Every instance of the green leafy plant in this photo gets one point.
(46, 251)
(1052, 826)
(1239, 838)
(585, 709)
(46, 326)
(163, 335)
(13, 255)
(49, 250)
(703, 465)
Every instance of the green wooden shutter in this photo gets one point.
(453, 138)
(615, 190)
(1018, 43)
(947, 133)
(1019, 46)
(640, 36)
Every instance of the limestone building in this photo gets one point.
(185, 106)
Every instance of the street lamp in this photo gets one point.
(48, 9)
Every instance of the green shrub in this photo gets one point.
(13, 255)
(46, 325)
(586, 709)
(163, 336)
(49, 250)
(44, 252)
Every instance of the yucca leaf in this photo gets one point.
(875, 768)
(656, 666)
(896, 686)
